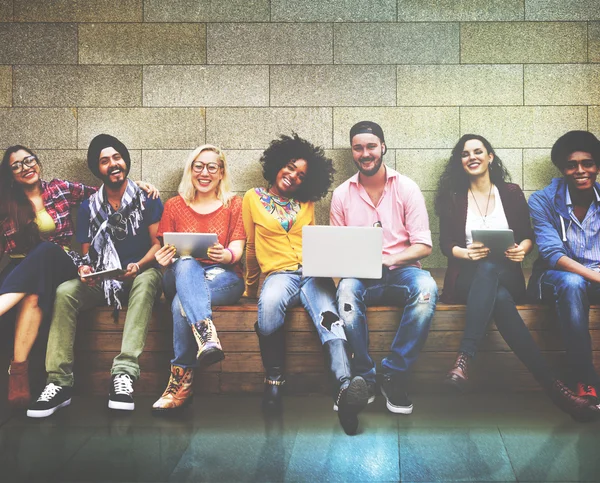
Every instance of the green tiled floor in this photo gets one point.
(447, 438)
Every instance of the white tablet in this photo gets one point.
(109, 274)
(498, 241)
(191, 244)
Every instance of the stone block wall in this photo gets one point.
(168, 75)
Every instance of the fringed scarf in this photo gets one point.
(105, 227)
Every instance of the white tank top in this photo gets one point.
(495, 220)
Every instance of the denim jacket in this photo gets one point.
(550, 216)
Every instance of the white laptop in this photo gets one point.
(342, 251)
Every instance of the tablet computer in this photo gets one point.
(498, 241)
(191, 244)
(105, 274)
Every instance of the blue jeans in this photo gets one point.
(288, 289)
(410, 287)
(572, 294)
(193, 296)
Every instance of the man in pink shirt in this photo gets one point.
(379, 196)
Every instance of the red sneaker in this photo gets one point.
(586, 391)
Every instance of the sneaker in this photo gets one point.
(587, 391)
(121, 393)
(372, 388)
(53, 398)
(209, 346)
(395, 395)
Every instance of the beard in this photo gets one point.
(370, 172)
(114, 184)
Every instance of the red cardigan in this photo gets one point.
(453, 224)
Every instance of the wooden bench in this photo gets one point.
(495, 368)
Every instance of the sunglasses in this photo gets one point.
(118, 226)
(28, 162)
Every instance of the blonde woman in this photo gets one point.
(205, 204)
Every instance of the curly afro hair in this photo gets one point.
(319, 174)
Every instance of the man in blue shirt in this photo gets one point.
(117, 229)
(566, 220)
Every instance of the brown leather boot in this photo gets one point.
(581, 409)
(179, 391)
(458, 376)
(18, 384)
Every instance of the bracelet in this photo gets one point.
(232, 255)
(137, 265)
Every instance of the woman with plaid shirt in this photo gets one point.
(37, 228)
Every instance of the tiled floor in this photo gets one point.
(447, 438)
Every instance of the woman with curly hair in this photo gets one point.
(298, 174)
(474, 193)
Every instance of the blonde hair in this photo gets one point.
(186, 187)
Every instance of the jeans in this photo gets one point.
(74, 296)
(288, 289)
(410, 287)
(193, 295)
(489, 288)
(572, 294)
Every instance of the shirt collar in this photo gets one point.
(389, 173)
(568, 200)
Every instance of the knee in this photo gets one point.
(425, 289)
(270, 300)
(571, 286)
(30, 301)
(487, 268)
(349, 290)
(503, 296)
(184, 266)
(66, 290)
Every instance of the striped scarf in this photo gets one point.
(104, 227)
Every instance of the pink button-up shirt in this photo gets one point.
(401, 211)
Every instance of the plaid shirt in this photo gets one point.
(59, 196)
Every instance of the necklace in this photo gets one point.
(483, 217)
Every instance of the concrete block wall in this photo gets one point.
(168, 75)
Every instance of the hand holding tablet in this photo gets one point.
(497, 241)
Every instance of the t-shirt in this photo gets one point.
(226, 222)
(133, 247)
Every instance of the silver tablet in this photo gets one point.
(191, 244)
(498, 241)
(109, 274)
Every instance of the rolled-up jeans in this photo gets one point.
(572, 295)
(282, 290)
(410, 287)
(194, 288)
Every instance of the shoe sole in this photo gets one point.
(208, 358)
(371, 400)
(357, 395)
(31, 413)
(396, 409)
(455, 384)
(165, 411)
(121, 406)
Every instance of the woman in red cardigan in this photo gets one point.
(473, 193)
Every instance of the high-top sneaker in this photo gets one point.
(209, 345)
(179, 392)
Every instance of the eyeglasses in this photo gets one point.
(118, 226)
(28, 162)
(212, 168)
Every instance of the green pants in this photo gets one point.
(74, 296)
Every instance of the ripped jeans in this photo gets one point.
(289, 289)
(410, 287)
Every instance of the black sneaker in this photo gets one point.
(121, 393)
(395, 395)
(53, 398)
